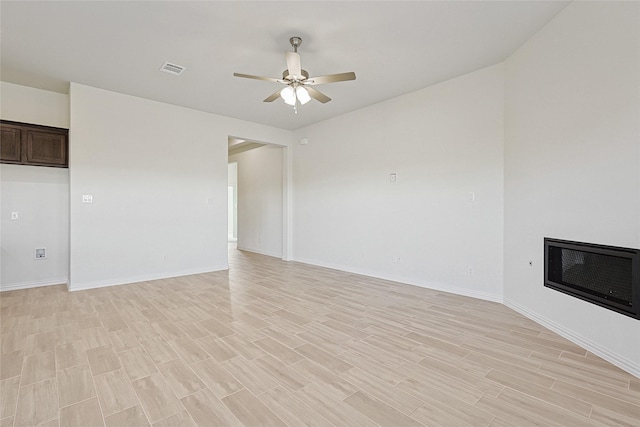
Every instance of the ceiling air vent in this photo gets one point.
(174, 69)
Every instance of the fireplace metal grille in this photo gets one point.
(604, 275)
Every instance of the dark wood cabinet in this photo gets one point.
(10, 143)
(35, 145)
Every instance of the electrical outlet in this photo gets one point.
(396, 260)
(470, 271)
(14, 215)
(41, 253)
(87, 198)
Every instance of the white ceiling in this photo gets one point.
(394, 47)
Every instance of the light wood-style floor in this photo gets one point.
(272, 343)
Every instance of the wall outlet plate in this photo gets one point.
(41, 253)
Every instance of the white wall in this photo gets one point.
(443, 142)
(40, 195)
(30, 105)
(158, 176)
(260, 200)
(572, 163)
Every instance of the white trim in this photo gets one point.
(135, 279)
(473, 293)
(34, 284)
(257, 251)
(595, 348)
(287, 199)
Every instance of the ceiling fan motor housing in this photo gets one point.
(287, 76)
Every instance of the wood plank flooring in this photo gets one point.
(273, 343)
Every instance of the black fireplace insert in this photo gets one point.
(608, 276)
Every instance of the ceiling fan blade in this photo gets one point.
(249, 76)
(317, 95)
(273, 96)
(331, 78)
(293, 64)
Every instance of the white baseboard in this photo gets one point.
(33, 284)
(258, 251)
(473, 293)
(144, 278)
(621, 362)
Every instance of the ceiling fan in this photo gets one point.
(299, 88)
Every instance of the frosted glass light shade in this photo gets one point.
(303, 95)
(288, 95)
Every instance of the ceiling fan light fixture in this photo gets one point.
(299, 86)
(288, 95)
(303, 95)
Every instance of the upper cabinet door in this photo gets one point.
(34, 145)
(10, 144)
(46, 148)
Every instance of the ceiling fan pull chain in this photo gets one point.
(295, 98)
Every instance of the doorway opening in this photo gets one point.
(257, 197)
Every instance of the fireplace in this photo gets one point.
(608, 276)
